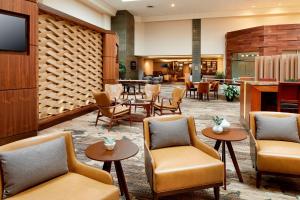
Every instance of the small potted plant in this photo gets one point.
(217, 128)
(109, 143)
(122, 70)
(220, 76)
(230, 92)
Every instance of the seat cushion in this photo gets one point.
(166, 105)
(278, 156)
(70, 186)
(184, 167)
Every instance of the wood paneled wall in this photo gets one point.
(18, 80)
(110, 62)
(267, 40)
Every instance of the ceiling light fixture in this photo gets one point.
(173, 5)
(150, 6)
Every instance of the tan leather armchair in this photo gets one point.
(172, 106)
(81, 182)
(115, 113)
(273, 157)
(182, 168)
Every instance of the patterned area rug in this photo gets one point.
(273, 188)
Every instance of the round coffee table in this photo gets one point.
(225, 138)
(124, 149)
(146, 104)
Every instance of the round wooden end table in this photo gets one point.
(124, 149)
(225, 138)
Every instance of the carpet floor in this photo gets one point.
(273, 188)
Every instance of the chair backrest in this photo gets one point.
(103, 101)
(215, 86)
(188, 85)
(272, 114)
(203, 87)
(41, 139)
(177, 95)
(114, 90)
(191, 125)
(152, 91)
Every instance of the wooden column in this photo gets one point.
(18, 79)
(110, 58)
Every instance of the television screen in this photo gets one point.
(13, 33)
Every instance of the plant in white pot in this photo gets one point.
(217, 128)
(109, 143)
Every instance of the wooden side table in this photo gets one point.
(225, 138)
(124, 149)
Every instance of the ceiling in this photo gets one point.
(188, 9)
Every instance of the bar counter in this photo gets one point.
(257, 96)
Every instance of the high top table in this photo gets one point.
(225, 138)
(124, 149)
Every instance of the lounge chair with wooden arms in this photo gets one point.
(115, 113)
(180, 168)
(151, 93)
(172, 106)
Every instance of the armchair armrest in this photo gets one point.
(93, 173)
(254, 148)
(205, 148)
(149, 164)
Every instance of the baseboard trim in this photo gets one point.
(57, 119)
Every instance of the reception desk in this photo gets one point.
(257, 96)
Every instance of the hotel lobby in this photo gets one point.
(148, 99)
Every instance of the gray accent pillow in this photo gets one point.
(169, 133)
(275, 128)
(30, 166)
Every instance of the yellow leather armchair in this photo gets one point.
(81, 182)
(182, 168)
(273, 157)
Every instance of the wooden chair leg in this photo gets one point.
(258, 179)
(217, 193)
(207, 96)
(110, 124)
(97, 118)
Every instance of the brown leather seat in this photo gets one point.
(81, 182)
(273, 157)
(177, 169)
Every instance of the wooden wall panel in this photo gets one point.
(18, 70)
(70, 64)
(18, 112)
(110, 62)
(18, 80)
(267, 40)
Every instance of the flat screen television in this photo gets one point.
(13, 32)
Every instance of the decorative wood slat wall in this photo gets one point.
(70, 65)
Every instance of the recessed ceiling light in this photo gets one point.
(173, 5)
